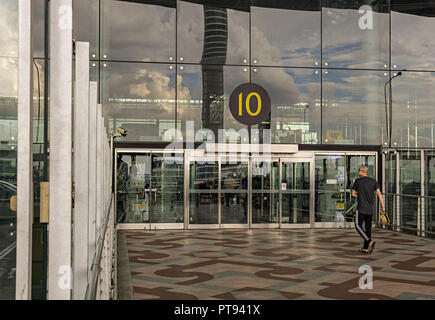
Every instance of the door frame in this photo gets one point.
(192, 154)
(346, 224)
(311, 161)
(272, 159)
(307, 157)
(144, 225)
(197, 155)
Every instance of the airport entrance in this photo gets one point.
(196, 189)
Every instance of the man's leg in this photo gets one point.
(359, 218)
(368, 226)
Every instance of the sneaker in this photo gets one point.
(364, 251)
(372, 247)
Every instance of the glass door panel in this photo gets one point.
(295, 192)
(234, 193)
(132, 187)
(410, 184)
(204, 193)
(149, 188)
(429, 205)
(167, 188)
(329, 188)
(265, 192)
(390, 200)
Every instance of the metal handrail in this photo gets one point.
(408, 195)
(91, 290)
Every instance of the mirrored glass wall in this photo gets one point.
(325, 64)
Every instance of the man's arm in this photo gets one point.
(381, 199)
(354, 193)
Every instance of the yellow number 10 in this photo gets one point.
(248, 108)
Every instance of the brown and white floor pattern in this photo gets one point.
(272, 264)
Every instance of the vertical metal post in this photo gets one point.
(92, 238)
(249, 193)
(312, 191)
(81, 171)
(59, 242)
(23, 280)
(384, 184)
(423, 193)
(398, 191)
(187, 156)
(280, 192)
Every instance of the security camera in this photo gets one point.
(122, 131)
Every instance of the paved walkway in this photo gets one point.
(272, 264)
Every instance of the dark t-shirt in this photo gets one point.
(366, 188)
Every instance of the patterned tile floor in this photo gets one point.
(272, 264)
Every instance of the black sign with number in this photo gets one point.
(250, 103)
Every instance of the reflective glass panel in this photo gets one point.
(190, 31)
(150, 188)
(204, 175)
(203, 95)
(167, 188)
(295, 99)
(412, 41)
(413, 109)
(138, 31)
(213, 32)
(234, 195)
(285, 33)
(265, 192)
(190, 95)
(8, 162)
(9, 28)
(295, 192)
(86, 24)
(329, 188)
(410, 184)
(353, 110)
(38, 28)
(140, 97)
(204, 196)
(355, 34)
(232, 78)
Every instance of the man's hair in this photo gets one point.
(364, 169)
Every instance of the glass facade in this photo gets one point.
(326, 65)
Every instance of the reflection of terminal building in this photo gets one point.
(152, 66)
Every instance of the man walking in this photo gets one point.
(364, 190)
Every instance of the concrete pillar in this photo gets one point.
(99, 171)
(81, 171)
(93, 96)
(59, 240)
(25, 153)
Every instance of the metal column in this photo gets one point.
(398, 222)
(422, 221)
(81, 170)
(59, 241)
(25, 153)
